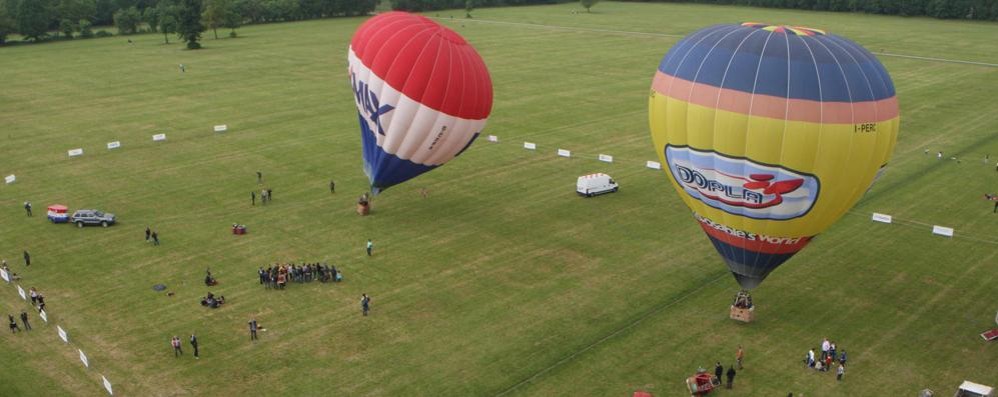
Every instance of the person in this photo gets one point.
(252, 198)
(828, 362)
(839, 372)
(182, 68)
(423, 192)
(996, 207)
(825, 346)
(34, 295)
(209, 280)
(939, 155)
(27, 258)
(370, 246)
(718, 370)
(731, 375)
(24, 319)
(259, 177)
(148, 233)
(739, 355)
(332, 186)
(175, 342)
(842, 358)
(253, 326)
(155, 238)
(810, 358)
(194, 345)
(270, 194)
(818, 366)
(832, 351)
(365, 303)
(27, 207)
(13, 324)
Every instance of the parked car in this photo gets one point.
(594, 184)
(91, 217)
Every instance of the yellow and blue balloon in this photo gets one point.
(770, 133)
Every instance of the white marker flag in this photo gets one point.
(942, 231)
(493, 138)
(877, 217)
(113, 145)
(75, 152)
(655, 165)
(43, 315)
(62, 334)
(107, 385)
(83, 358)
(20, 291)
(5, 276)
(221, 128)
(564, 153)
(159, 137)
(529, 145)
(606, 158)
(9, 179)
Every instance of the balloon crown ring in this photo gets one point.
(785, 29)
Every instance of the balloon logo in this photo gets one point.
(770, 134)
(423, 95)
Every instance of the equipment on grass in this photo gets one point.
(702, 383)
(770, 134)
(57, 213)
(423, 95)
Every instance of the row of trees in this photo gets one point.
(945, 9)
(428, 5)
(35, 19)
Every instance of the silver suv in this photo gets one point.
(91, 217)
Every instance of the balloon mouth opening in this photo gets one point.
(786, 29)
(747, 283)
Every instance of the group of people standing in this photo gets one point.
(177, 351)
(829, 355)
(14, 328)
(277, 276)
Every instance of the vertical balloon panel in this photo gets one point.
(423, 95)
(770, 134)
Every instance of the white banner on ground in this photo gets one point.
(75, 152)
(20, 291)
(159, 137)
(493, 138)
(113, 145)
(43, 315)
(655, 165)
(5, 276)
(606, 158)
(878, 217)
(62, 334)
(9, 179)
(107, 385)
(942, 231)
(530, 145)
(221, 128)
(564, 153)
(83, 358)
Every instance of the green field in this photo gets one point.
(502, 280)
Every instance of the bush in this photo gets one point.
(232, 34)
(103, 33)
(85, 31)
(193, 45)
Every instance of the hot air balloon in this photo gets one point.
(422, 92)
(770, 133)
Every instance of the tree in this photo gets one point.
(587, 4)
(189, 23)
(469, 5)
(231, 18)
(67, 28)
(127, 20)
(85, 31)
(32, 19)
(150, 16)
(214, 14)
(167, 25)
(7, 23)
(75, 10)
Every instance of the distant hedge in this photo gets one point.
(428, 5)
(983, 10)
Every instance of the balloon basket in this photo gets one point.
(363, 209)
(742, 314)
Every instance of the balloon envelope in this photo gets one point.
(422, 92)
(770, 133)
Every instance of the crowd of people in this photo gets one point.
(212, 301)
(829, 355)
(277, 276)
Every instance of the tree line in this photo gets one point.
(984, 10)
(429, 5)
(39, 20)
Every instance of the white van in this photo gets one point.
(593, 184)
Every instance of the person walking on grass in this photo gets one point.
(27, 258)
(13, 324)
(365, 304)
(731, 376)
(148, 233)
(27, 207)
(194, 344)
(370, 247)
(24, 319)
(253, 326)
(718, 370)
(840, 372)
(332, 186)
(175, 342)
(155, 238)
(739, 355)
(253, 198)
(259, 178)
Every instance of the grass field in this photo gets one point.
(502, 281)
